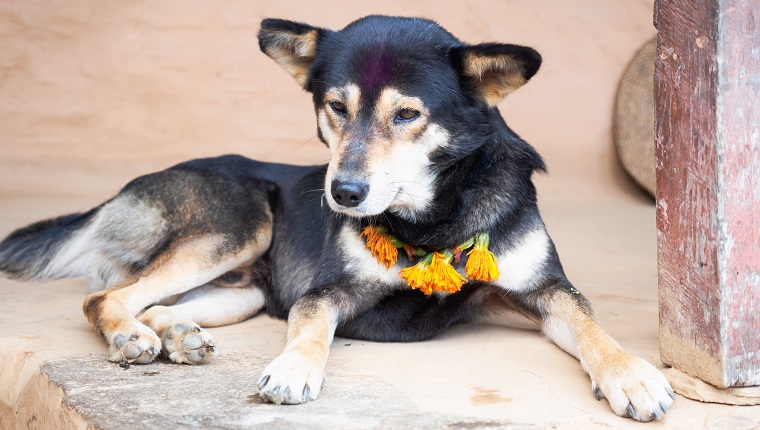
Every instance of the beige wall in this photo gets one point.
(95, 92)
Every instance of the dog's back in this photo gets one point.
(121, 237)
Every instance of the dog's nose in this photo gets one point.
(348, 194)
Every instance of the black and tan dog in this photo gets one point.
(420, 162)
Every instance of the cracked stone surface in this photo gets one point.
(220, 395)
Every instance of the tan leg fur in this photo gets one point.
(187, 265)
(632, 385)
(296, 375)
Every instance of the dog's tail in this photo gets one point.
(55, 248)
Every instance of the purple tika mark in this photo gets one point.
(378, 69)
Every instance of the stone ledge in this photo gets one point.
(87, 391)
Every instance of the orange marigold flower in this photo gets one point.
(444, 276)
(380, 245)
(418, 276)
(481, 263)
(434, 273)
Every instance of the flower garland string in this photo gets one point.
(434, 271)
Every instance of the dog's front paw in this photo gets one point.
(634, 388)
(135, 344)
(292, 378)
(188, 343)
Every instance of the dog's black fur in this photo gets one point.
(482, 182)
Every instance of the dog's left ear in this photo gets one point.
(293, 45)
(493, 70)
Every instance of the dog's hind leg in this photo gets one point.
(179, 325)
(188, 264)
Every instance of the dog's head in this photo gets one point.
(398, 100)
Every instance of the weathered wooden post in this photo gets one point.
(707, 132)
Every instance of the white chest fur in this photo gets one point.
(361, 263)
(521, 265)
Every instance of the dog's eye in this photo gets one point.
(407, 114)
(338, 107)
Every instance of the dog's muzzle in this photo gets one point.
(349, 194)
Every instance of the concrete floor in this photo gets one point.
(93, 94)
(53, 370)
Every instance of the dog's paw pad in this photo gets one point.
(140, 346)
(188, 343)
(634, 389)
(292, 378)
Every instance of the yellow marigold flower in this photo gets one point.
(443, 275)
(418, 276)
(434, 273)
(380, 245)
(481, 263)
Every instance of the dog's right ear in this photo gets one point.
(293, 45)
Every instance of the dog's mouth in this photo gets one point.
(358, 199)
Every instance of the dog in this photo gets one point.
(424, 217)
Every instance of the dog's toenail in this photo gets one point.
(263, 381)
(671, 393)
(134, 337)
(631, 412)
(664, 407)
(598, 393)
(657, 414)
(306, 391)
(197, 329)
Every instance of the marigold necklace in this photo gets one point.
(434, 272)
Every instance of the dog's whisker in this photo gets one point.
(406, 182)
(316, 190)
(410, 194)
(300, 146)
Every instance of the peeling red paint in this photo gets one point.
(708, 212)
